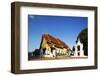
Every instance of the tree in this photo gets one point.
(83, 36)
(36, 52)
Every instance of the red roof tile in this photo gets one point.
(52, 40)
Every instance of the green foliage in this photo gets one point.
(36, 52)
(83, 36)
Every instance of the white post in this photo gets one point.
(81, 50)
(75, 54)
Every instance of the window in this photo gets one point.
(73, 48)
(52, 49)
(78, 47)
(44, 49)
(78, 54)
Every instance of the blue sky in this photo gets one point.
(65, 28)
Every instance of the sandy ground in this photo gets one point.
(58, 57)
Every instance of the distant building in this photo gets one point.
(53, 47)
(77, 50)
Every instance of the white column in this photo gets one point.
(81, 50)
(75, 54)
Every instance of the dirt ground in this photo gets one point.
(58, 58)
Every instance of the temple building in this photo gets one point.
(77, 50)
(53, 47)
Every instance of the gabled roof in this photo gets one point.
(54, 41)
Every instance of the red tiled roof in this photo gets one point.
(52, 40)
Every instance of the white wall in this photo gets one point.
(5, 33)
